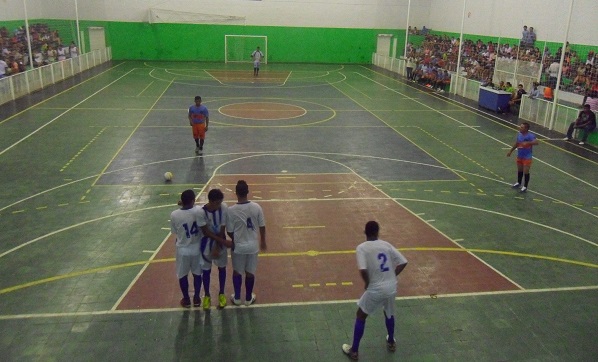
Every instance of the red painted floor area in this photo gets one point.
(314, 223)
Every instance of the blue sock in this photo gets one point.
(184, 284)
(237, 281)
(222, 279)
(249, 287)
(196, 285)
(390, 327)
(357, 334)
(206, 282)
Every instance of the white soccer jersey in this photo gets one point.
(244, 221)
(214, 220)
(257, 55)
(380, 259)
(186, 225)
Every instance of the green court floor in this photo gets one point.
(84, 211)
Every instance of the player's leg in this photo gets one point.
(183, 266)
(367, 304)
(202, 135)
(221, 262)
(196, 136)
(519, 174)
(196, 270)
(250, 269)
(238, 268)
(526, 167)
(389, 321)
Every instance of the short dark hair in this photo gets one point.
(187, 197)
(215, 195)
(198, 98)
(242, 189)
(371, 228)
(586, 105)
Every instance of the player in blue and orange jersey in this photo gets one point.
(524, 144)
(199, 119)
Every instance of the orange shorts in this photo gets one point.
(199, 131)
(524, 161)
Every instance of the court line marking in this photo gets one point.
(394, 129)
(292, 304)
(56, 95)
(266, 154)
(470, 109)
(63, 113)
(131, 134)
(311, 253)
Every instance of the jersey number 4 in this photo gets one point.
(250, 224)
(194, 230)
(383, 259)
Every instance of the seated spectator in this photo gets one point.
(61, 52)
(534, 92)
(509, 88)
(51, 54)
(586, 121)
(515, 101)
(3, 68)
(548, 95)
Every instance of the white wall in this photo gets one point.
(306, 13)
(506, 18)
(503, 18)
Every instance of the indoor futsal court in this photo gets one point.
(87, 257)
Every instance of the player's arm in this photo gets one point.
(190, 118)
(365, 276)
(263, 245)
(207, 122)
(513, 148)
(400, 268)
(207, 232)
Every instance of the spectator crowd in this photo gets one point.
(439, 53)
(46, 47)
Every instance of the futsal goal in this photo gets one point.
(238, 48)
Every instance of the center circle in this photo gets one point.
(262, 110)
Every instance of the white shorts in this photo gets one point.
(370, 301)
(187, 263)
(220, 261)
(244, 263)
(256, 64)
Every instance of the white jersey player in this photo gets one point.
(257, 56)
(183, 224)
(214, 215)
(379, 264)
(245, 223)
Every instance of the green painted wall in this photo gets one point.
(194, 42)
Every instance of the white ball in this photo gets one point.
(168, 176)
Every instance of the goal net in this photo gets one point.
(157, 15)
(238, 48)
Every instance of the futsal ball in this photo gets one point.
(168, 176)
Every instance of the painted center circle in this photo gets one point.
(263, 110)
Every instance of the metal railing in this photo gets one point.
(21, 84)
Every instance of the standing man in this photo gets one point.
(586, 121)
(244, 219)
(199, 118)
(214, 215)
(183, 224)
(379, 264)
(524, 144)
(257, 56)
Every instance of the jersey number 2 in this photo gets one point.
(383, 259)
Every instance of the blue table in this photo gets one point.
(496, 100)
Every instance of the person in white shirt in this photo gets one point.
(379, 264)
(3, 67)
(257, 56)
(245, 222)
(73, 50)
